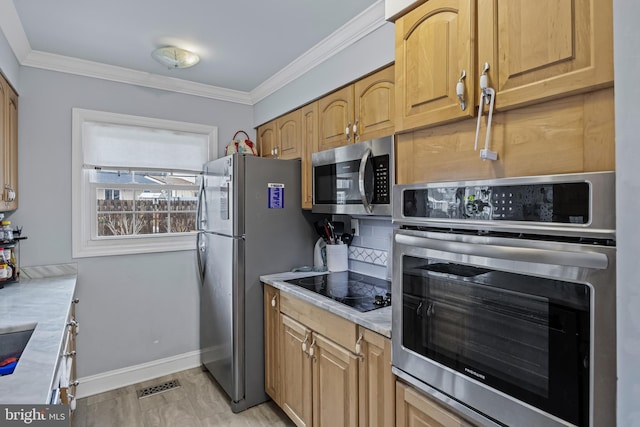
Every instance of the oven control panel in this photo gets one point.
(553, 202)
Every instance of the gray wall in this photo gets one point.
(134, 309)
(627, 94)
(8, 63)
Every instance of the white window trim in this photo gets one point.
(81, 200)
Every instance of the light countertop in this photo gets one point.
(378, 320)
(42, 297)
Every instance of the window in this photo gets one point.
(111, 194)
(135, 182)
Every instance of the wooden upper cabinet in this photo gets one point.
(434, 45)
(267, 139)
(335, 116)
(375, 105)
(361, 111)
(8, 147)
(543, 49)
(309, 146)
(289, 136)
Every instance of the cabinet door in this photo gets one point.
(376, 384)
(8, 147)
(414, 409)
(267, 139)
(11, 154)
(544, 49)
(336, 116)
(434, 44)
(374, 105)
(335, 385)
(288, 136)
(272, 342)
(309, 127)
(295, 388)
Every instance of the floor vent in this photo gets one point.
(158, 388)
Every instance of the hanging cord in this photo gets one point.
(487, 95)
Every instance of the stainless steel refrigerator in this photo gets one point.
(250, 223)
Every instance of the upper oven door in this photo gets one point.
(355, 179)
(508, 326)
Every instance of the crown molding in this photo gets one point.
(12, 28)
(360, 26)
(366, 22)
(81, 67)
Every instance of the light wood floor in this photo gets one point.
(199, 402)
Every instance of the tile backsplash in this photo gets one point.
(370, 251)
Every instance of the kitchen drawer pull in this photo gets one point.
(273, 301)
(304, 343)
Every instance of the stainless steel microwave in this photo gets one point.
(355, 179)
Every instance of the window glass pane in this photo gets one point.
(116, 224)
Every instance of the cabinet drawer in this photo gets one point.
(337, 329)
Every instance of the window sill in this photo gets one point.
(110, 247)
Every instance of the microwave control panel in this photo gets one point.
(382, 192)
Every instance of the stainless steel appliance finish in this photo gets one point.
(355, 179)
(250, 223)
(509, 320)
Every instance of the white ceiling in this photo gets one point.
(248, 48)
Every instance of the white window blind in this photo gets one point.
(120, 147)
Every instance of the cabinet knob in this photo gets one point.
(347, 131)
(75, 300)
(355, 130)
(273, 301)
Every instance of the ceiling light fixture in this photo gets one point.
(175, 57)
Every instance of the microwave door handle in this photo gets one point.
(361, 183)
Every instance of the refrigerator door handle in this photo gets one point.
(201, 248)
(200, 221)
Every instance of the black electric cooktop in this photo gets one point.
(363, 293)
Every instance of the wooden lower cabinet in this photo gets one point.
(272, 342)
(376, 382)
(296, 374)
(326, 371)
(335, 384)
(414, 409)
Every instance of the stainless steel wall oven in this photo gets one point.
(504, 297)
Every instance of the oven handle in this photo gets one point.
(541, 256)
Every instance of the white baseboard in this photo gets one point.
(94, 384)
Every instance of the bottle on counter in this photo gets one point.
(7, 231)
(6, 267)
(10, 257)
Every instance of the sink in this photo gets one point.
(13, 340)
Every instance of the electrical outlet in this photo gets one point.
(355, 227)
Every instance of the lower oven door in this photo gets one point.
(521, 331)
